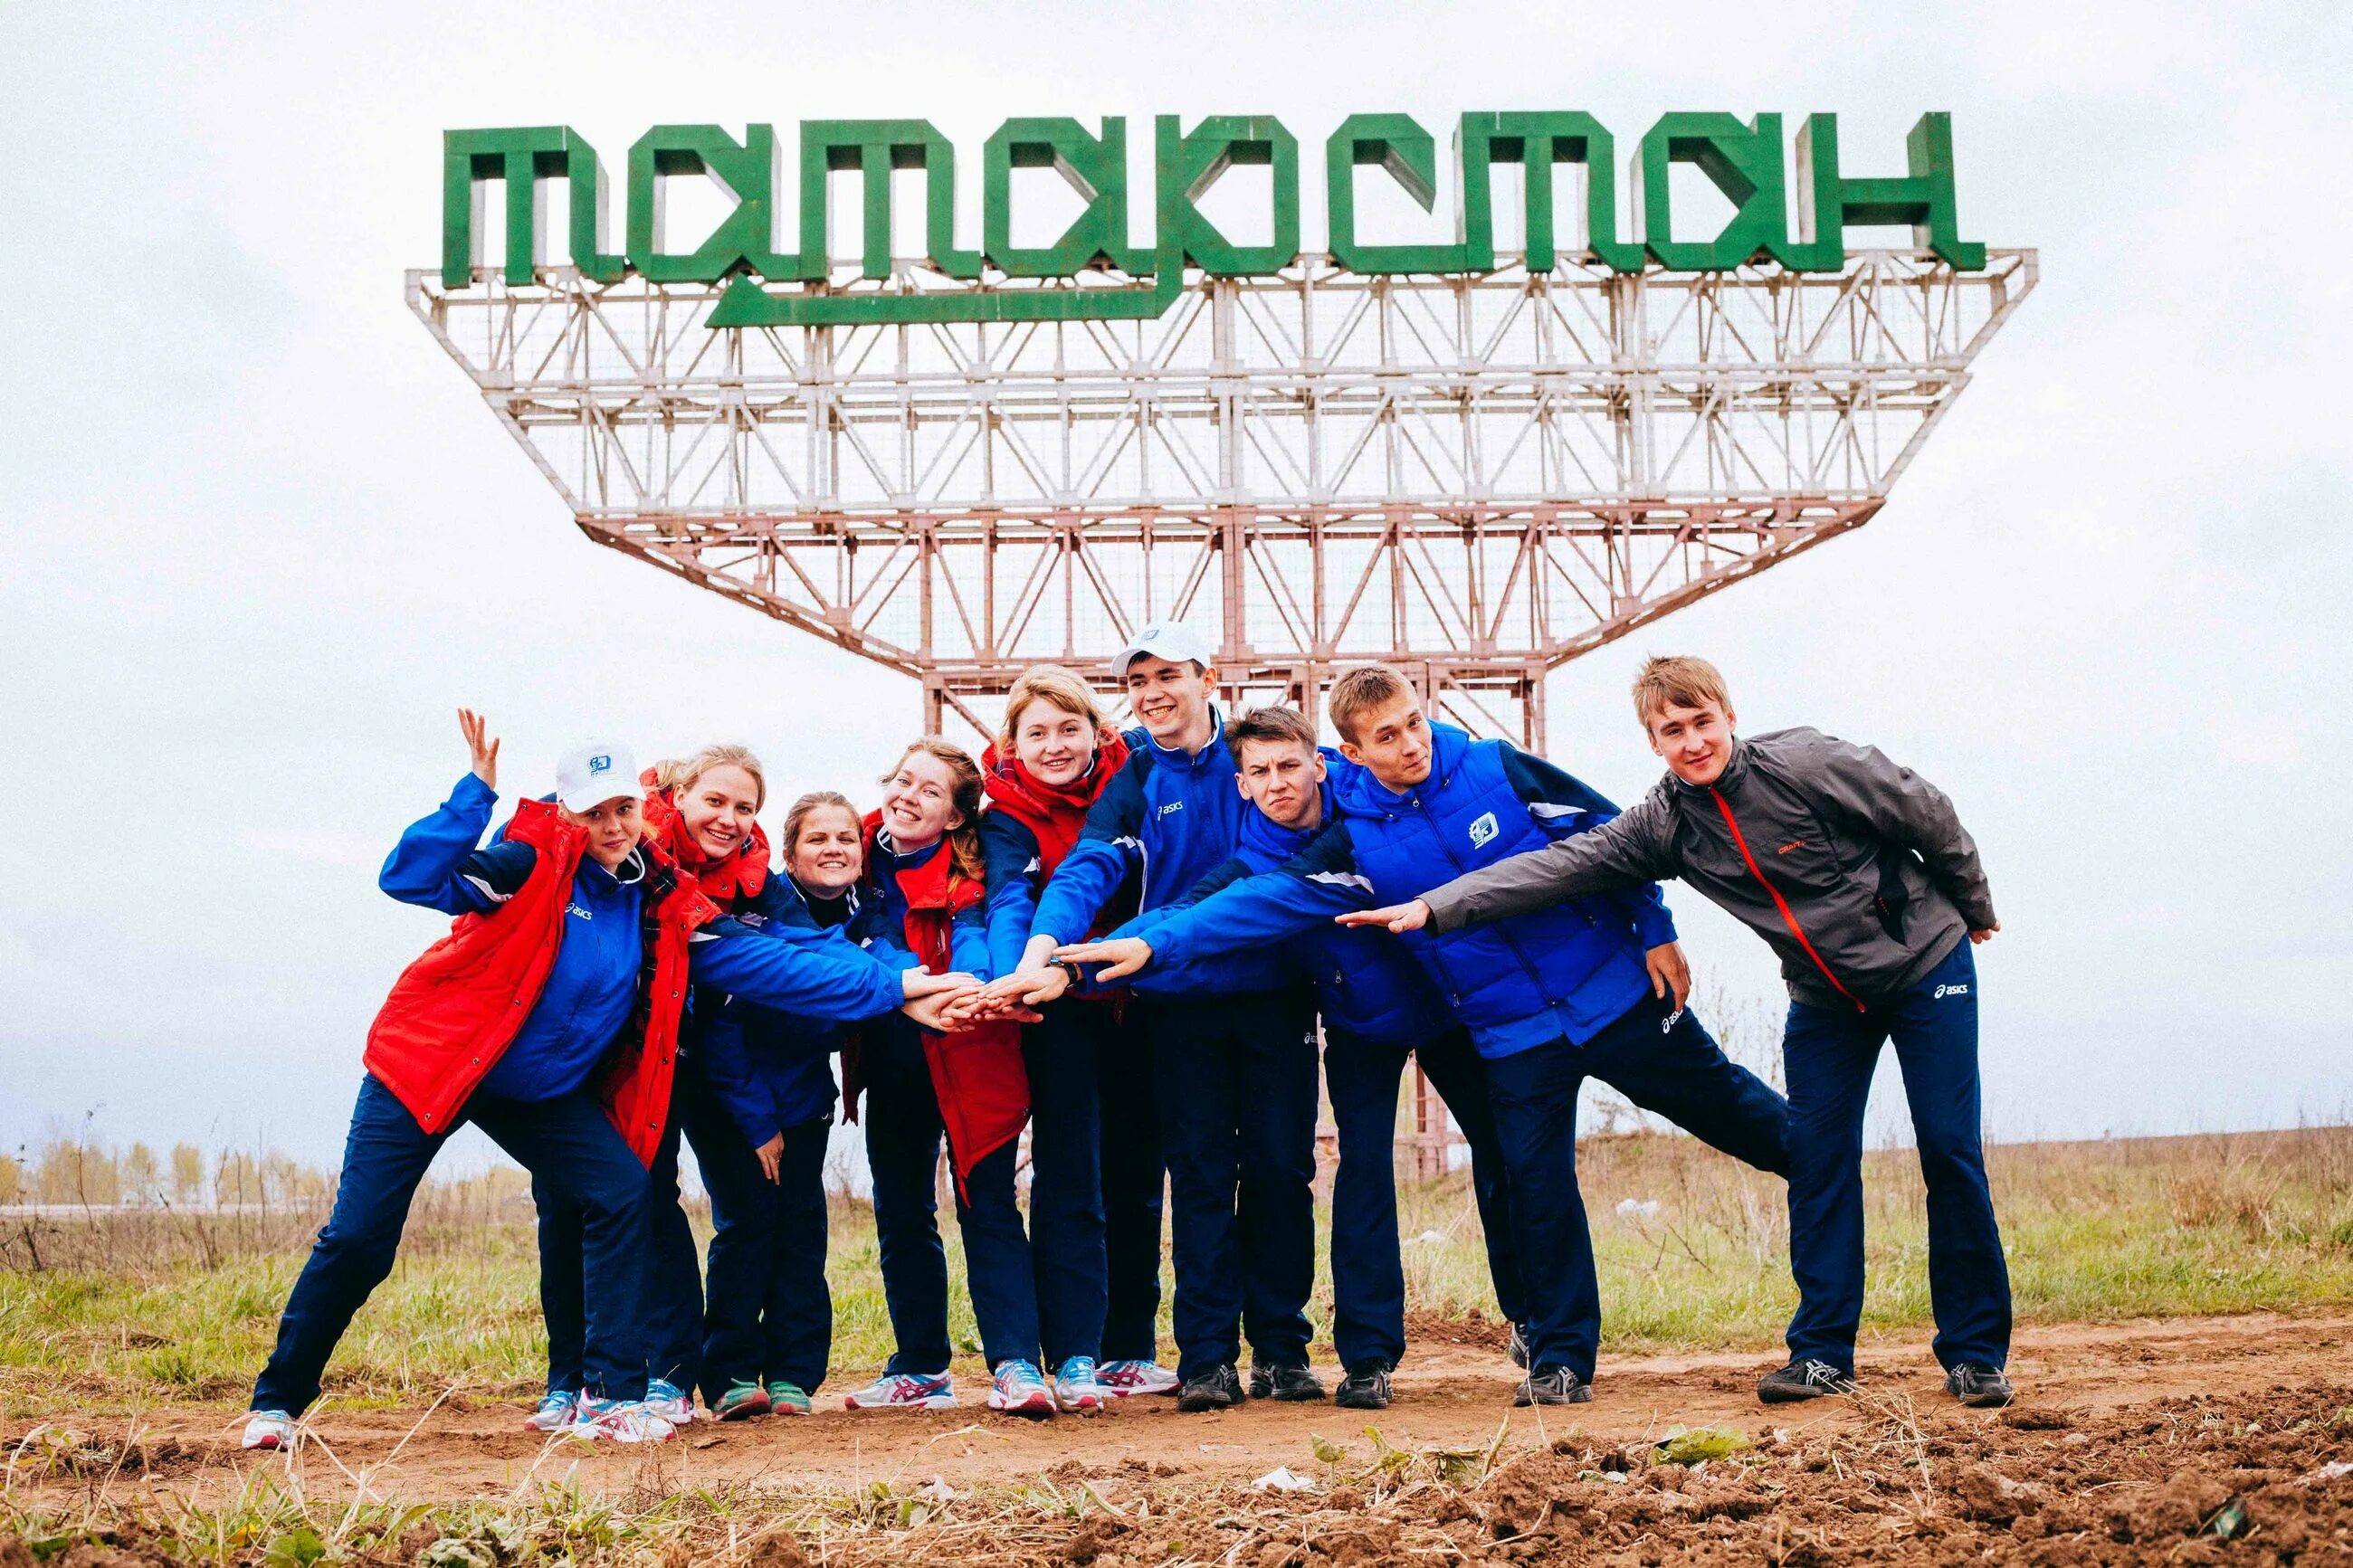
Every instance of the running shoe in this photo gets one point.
(741, 1402)
(270, 1429)
(1808, 1379)
(668, 1401)
(1295, 1385)
(555, 1413)
(1519, 1346)
(1020, 1389)
(1366, 1388)
(789, 1398)
(619, 1421)
(1217, 1388)
(1075, 1388)
(1981, 1386)
(1553, 1385)
(903, 1391)
(1120, 1378)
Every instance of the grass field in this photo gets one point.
(116, 1311)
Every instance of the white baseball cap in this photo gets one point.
(595, 771)
(1172, 640)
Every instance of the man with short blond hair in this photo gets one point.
(1858, 873)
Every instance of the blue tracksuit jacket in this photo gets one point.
(771, 1070)
(1569, 971)
(1366, 985)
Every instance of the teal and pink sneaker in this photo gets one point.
(556, 1411)
(903, 1391)
(789, 1398)
(1020, 1389)
(668, 1401)
(741, 1402)
(1120, 1378)
(1075, 1388)
(269, 1430)
(619, 1421)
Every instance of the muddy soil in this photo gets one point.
(2181, 1441)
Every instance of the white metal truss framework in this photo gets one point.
(1476, 478)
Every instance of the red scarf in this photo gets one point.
(1055, 813)
(726, 882)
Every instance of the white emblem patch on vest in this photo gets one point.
(1482, 831)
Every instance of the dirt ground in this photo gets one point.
(2184, 1441)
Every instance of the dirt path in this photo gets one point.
(1448, 1395)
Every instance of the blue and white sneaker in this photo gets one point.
(1120, 1378)
(269, 1429)
(903, 1391)
(555, 1412)
(1020, 1389)
(619, 1421)
(1075, 1388)
(668, 1401)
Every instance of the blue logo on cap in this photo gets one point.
(599, 765)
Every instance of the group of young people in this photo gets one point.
(1141, 947)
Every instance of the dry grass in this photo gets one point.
(114, 1310)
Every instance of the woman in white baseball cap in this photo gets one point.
(548, 1017)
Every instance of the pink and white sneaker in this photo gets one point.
(619, 1421)
(1020, 1389)
(268, 1430)
(903, 1391)
(1120, 1378)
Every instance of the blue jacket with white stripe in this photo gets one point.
(1569, 971)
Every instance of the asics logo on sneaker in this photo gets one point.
(1944, 991)
(1483, 830)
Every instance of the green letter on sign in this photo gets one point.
(520, 159)
(1189, 165)
(1095, 167)
(874, 148)
(1743, 161)
(746, 173)
(1537, 141)
(1397, 143)
(1924, 199)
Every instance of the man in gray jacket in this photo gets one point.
(1858, 874)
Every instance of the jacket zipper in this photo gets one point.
(1788, 915)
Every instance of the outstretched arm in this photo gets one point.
(1627, 851)
(1318, 883)
(822, 977)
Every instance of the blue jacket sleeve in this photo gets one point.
(1109, 846)
(1269, 908)
(1565, 806)
(820, 976)
(968, 941)
(1011, 851)
(437, 865)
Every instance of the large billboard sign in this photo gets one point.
(1096, 273)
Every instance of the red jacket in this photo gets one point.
(977, 1074)
(454, 1011)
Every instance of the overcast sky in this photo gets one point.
(261, 536)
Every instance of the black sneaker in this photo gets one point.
(1295, 1385)
(1979, 1387)
(1799, 1380)
(1519, 1346)
(1366, 1388)
(1220, 1388)
(1553, 1385)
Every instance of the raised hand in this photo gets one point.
(1120, 956)
(1670, 975)
(1398, 918)
(483, 747)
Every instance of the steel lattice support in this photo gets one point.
(1477, 478)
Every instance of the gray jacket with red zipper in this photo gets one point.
(1856, 870)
